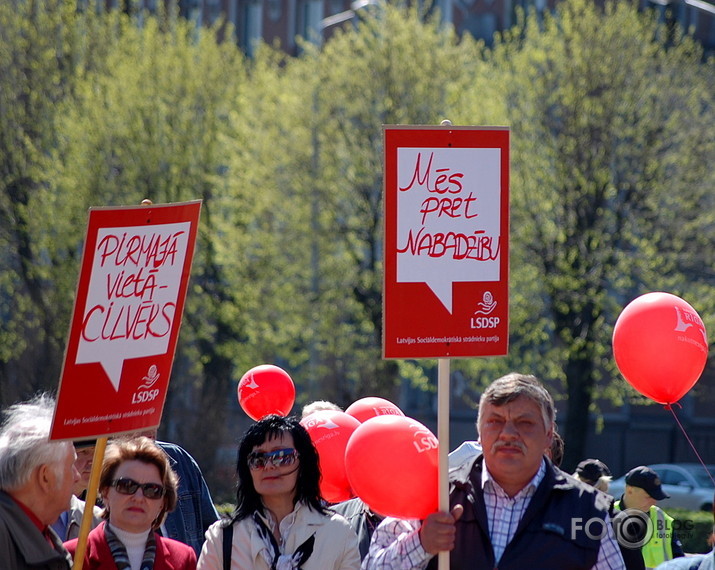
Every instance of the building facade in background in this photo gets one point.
(282, 22)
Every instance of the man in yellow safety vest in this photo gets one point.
(643, 490)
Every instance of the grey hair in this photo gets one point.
(514, 385)
(25, 443)
(318, 406)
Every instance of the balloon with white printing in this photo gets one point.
(660, 346)
(366, 408)
(264, 390)
(330, 431)
(392, 465)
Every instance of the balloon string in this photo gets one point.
(670, 407)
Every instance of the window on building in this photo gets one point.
(309, 14)
(250, 25)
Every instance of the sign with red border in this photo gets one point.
(446, 281)
(126, 320)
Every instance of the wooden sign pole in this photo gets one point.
(443, 392)
(90, 501)
(443, 365)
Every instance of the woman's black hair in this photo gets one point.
(308, 482)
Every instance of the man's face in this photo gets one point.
(65, 480)
(513, 438)
(85, 455)
(637, 498)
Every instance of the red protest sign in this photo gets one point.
(126, 319)
(446, 282)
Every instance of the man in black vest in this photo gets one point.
(510, 507)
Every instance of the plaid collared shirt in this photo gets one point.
(395, 545)
(504, 514)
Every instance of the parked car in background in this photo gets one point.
(689, 485)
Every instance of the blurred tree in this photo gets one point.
(611, 190)
(611, 185)
(149, 124)
(43, 46)
(323, 165)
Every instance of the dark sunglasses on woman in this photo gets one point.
(127, 486)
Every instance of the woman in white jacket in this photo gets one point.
(280, 522)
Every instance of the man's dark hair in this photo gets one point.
(557, 449)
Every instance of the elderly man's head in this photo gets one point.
(516, 424)
(34, 470)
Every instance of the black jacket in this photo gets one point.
(550, 535)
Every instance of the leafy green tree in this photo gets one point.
(611, 189)
(150, 123)
(611, 186)
(324, 165)
(43, 45)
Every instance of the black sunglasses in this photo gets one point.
(127, 486)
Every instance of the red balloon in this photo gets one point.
(265, 390)
(367, 408)
(392, 465)
(660, 346)
(330, 431)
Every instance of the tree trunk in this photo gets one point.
(580, 383)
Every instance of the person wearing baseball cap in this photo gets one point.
(646, 479)
(595, 473)
(643, 491)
